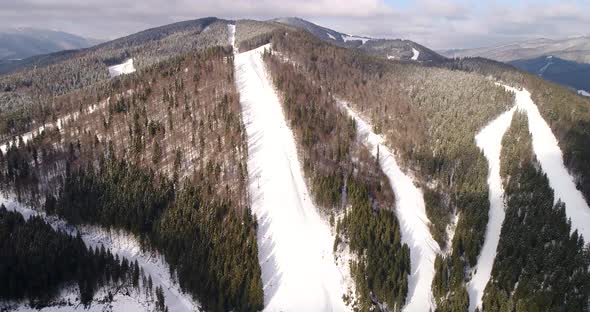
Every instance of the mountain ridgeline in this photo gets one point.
(164, 154)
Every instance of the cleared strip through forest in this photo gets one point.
(489, 140)
(550, 157)
(411, 214)
(295, 245)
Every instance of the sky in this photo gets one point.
(438, 24)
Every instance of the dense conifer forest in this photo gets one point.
(159, 154)
(37, 261)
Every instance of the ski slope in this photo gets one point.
(415, 54)
(347, 38)
(295, 245)
(549, 155)
(124, 245)
(489, 140)
(232, 36)
(411, 214)
(121, 69)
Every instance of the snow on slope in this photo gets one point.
(123, 245)
(489, 140)
(59, 123)
(415, 54)
(299, 272)
(123, 68)
(411, 213)
(69, 302)
(232, 35)
(347, 38)
(544, 68)
(583, 93)
(549, 154)
(547, 151)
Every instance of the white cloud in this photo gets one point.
(435, 23)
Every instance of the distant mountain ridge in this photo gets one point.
(572, 49)
(21, 43)
(552, 68)
(398, 49)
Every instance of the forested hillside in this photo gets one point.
(349, 185)
(418, 109)
(567, 113)
(167, 144)
(37, 261)
(28, 94)
(161, 155)
(541, 265)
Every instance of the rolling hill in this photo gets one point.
(572, 49)
(219, 165)
(21, 43)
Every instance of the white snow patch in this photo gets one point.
(550, 157)
(124, 245)
(544, 68)
(450, 230)
(123, 68)
(391, 57)
(331, 36)
(415, 54)
(232, 36)
(295, 245)
(347, 38)
(68, 301)
(583, 93)
(411, 213)
(489, 140)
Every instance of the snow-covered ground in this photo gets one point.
(124, 245)
(415, 54)
(583, 92)
(550, 157)
(232, 35)
(347, 38)
(411, 214)
(295, 244)
(489, 140)
(69, 301)
(123, 68)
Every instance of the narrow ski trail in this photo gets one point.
(411, 214)
(489, 140)
(123, 245)
(295, 245)
(549, 155)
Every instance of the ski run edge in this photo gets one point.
(411, 214)
(295, 244)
